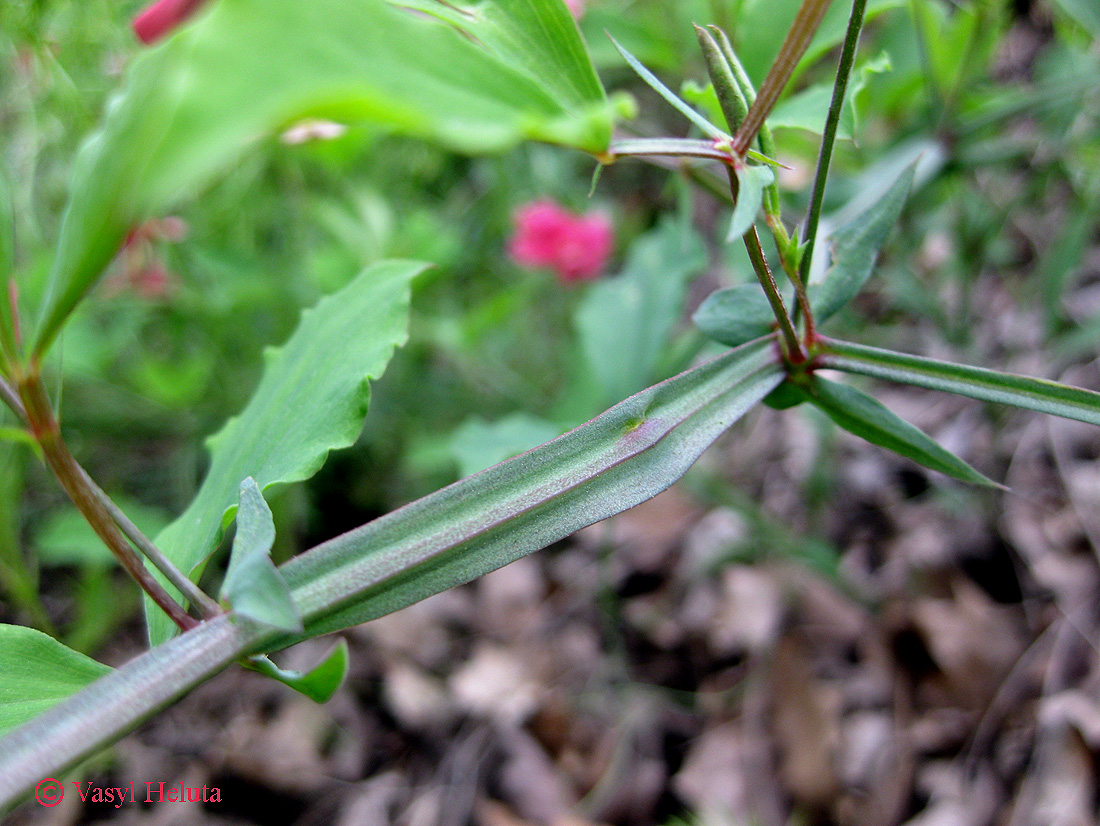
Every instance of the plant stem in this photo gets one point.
(206, 605)
(791, 345)
(11, 399)
(794, 46)
(75, 482)
(828, 140)
(669, 147)
(95, 717)
(772, 208)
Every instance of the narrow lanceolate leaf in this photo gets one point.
(312, 398)
(751, 183)
(855, 246)
(621, 458)
(671, 97)
(244, 70)
(735, 315)
(319, 683)
(864, 416)
(38, 672)
(253, 587)
(975, 382)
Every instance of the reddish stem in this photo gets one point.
(46, 431)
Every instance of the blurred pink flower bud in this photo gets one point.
(576, 7)
(161, 16)
(576, 247)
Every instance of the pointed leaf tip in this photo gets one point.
(253, 585)
(319, 683)
(867, 418)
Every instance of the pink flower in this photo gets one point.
(576, 247)
(161, 16)
(576, 7)
(140, 268)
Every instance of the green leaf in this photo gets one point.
(19, 435)
(38, 672)
(809, 108)
(622, 457)
(1085, 12)
(312, 399)
(735, 315)
(751, 183)
(624, 322)
(253, 587)
(538, 36)
(976, 382)
(855, 246)
(786, 396)
(671, 97)
(245, 70)
(864, 416)
(478, 444)
(319, 683)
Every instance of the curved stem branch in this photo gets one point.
(74, 480)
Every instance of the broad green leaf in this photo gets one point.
(478, 444)
(38, 672)
(751, 183)
(312, 399)
(622, 457)
(735, 315)
(253, 587)
(624, 322)
(976, 382)
(319, 683)
(247, 69)
(855, 246)
(864, 416)
(538, 36)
